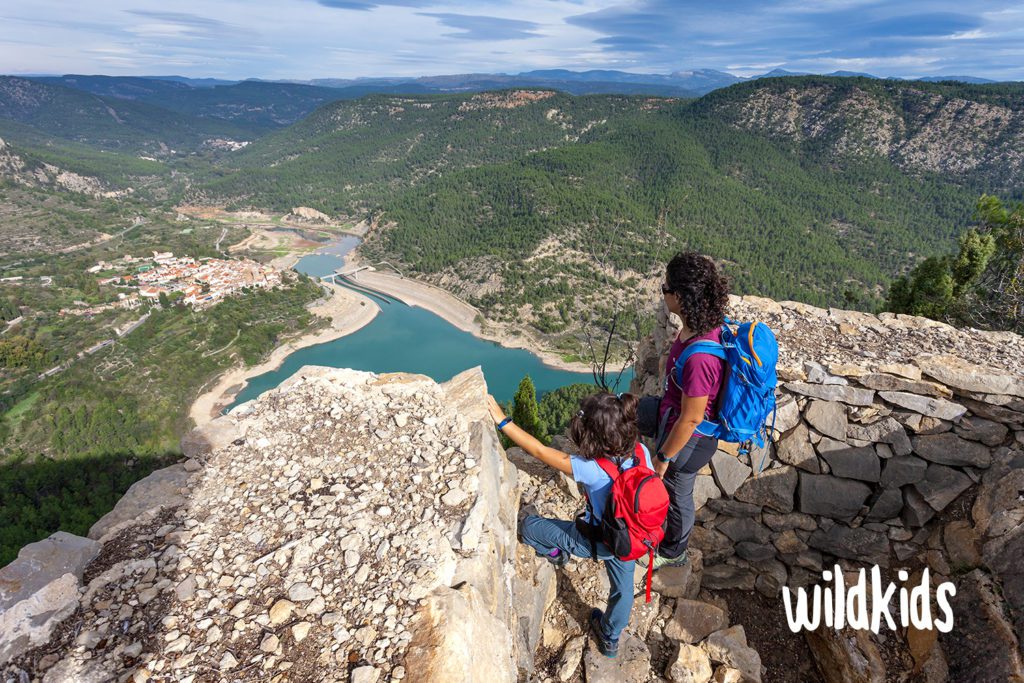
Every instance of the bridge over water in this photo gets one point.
(346, 279)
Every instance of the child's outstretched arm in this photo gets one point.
(551, 457)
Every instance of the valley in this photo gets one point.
(547, 215)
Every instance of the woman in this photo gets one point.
(696, 292)
(605, 426)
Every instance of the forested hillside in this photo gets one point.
(512, 198)
(53, 111)
(256, 105)
(969, 133)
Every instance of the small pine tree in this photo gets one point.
(524, 409)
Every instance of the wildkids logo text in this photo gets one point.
(837, 606)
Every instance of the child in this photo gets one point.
(605, 427)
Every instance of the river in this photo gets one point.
(405, 338)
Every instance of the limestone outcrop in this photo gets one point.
(354, 525)
(305, 214)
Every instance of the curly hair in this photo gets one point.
(703, 292)
(605, 426)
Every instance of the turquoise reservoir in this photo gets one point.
(410, 339)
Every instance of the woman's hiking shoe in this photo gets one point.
(609, 648)
(661, 562)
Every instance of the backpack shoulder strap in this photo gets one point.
(705, 346)
(609, 468)
(640, 454)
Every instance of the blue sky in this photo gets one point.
(305, 39)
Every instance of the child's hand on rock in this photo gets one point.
(497, 414)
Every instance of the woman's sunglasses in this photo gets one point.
(665, 289)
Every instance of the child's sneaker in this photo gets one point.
(609, 648)
(558, 557)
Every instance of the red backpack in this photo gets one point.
(632, 523)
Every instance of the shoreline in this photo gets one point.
(348, 312)
(460, 314)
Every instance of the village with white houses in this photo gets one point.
(202, 282)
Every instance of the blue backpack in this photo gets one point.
(747, 398)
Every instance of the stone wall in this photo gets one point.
(897, 443)
(343, 526)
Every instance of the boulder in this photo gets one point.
(853, 396)
(790, 520)
(961, 541)
(787, 414)
(903, 470)
(847, 656)
(968, 376)
(729, 647)
(929, 407)
(572, 653)
(632, 665)
(534, 588)
(693, 621)
(986, 431)
(771, 577)
(916, 510)
(833, 497)
(772, 489)
(715, 545)
(1002, 556)
(998, 504)
(726, 674)
(729, 472)
(828, 417)
(859, 544)
(677, 582)
(719, 577)
(787, 542)
(849, 462)
(451, 623)
(160, 489)
(950, 449)
(883, 382)
(704, 490)
(887, 430)
(734, 508)
(941, 485)
(982, 645)
(39, 589)
(644, 614)
(887, 506)
(997, 413)
(690, 665)
(901, 369)
(740, 529)
(755, 553)
(795, 449)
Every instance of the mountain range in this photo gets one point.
(529, 202)
(681, 83)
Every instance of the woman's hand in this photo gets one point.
(660, 468)
(497, 414)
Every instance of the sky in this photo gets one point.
(306, 39)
